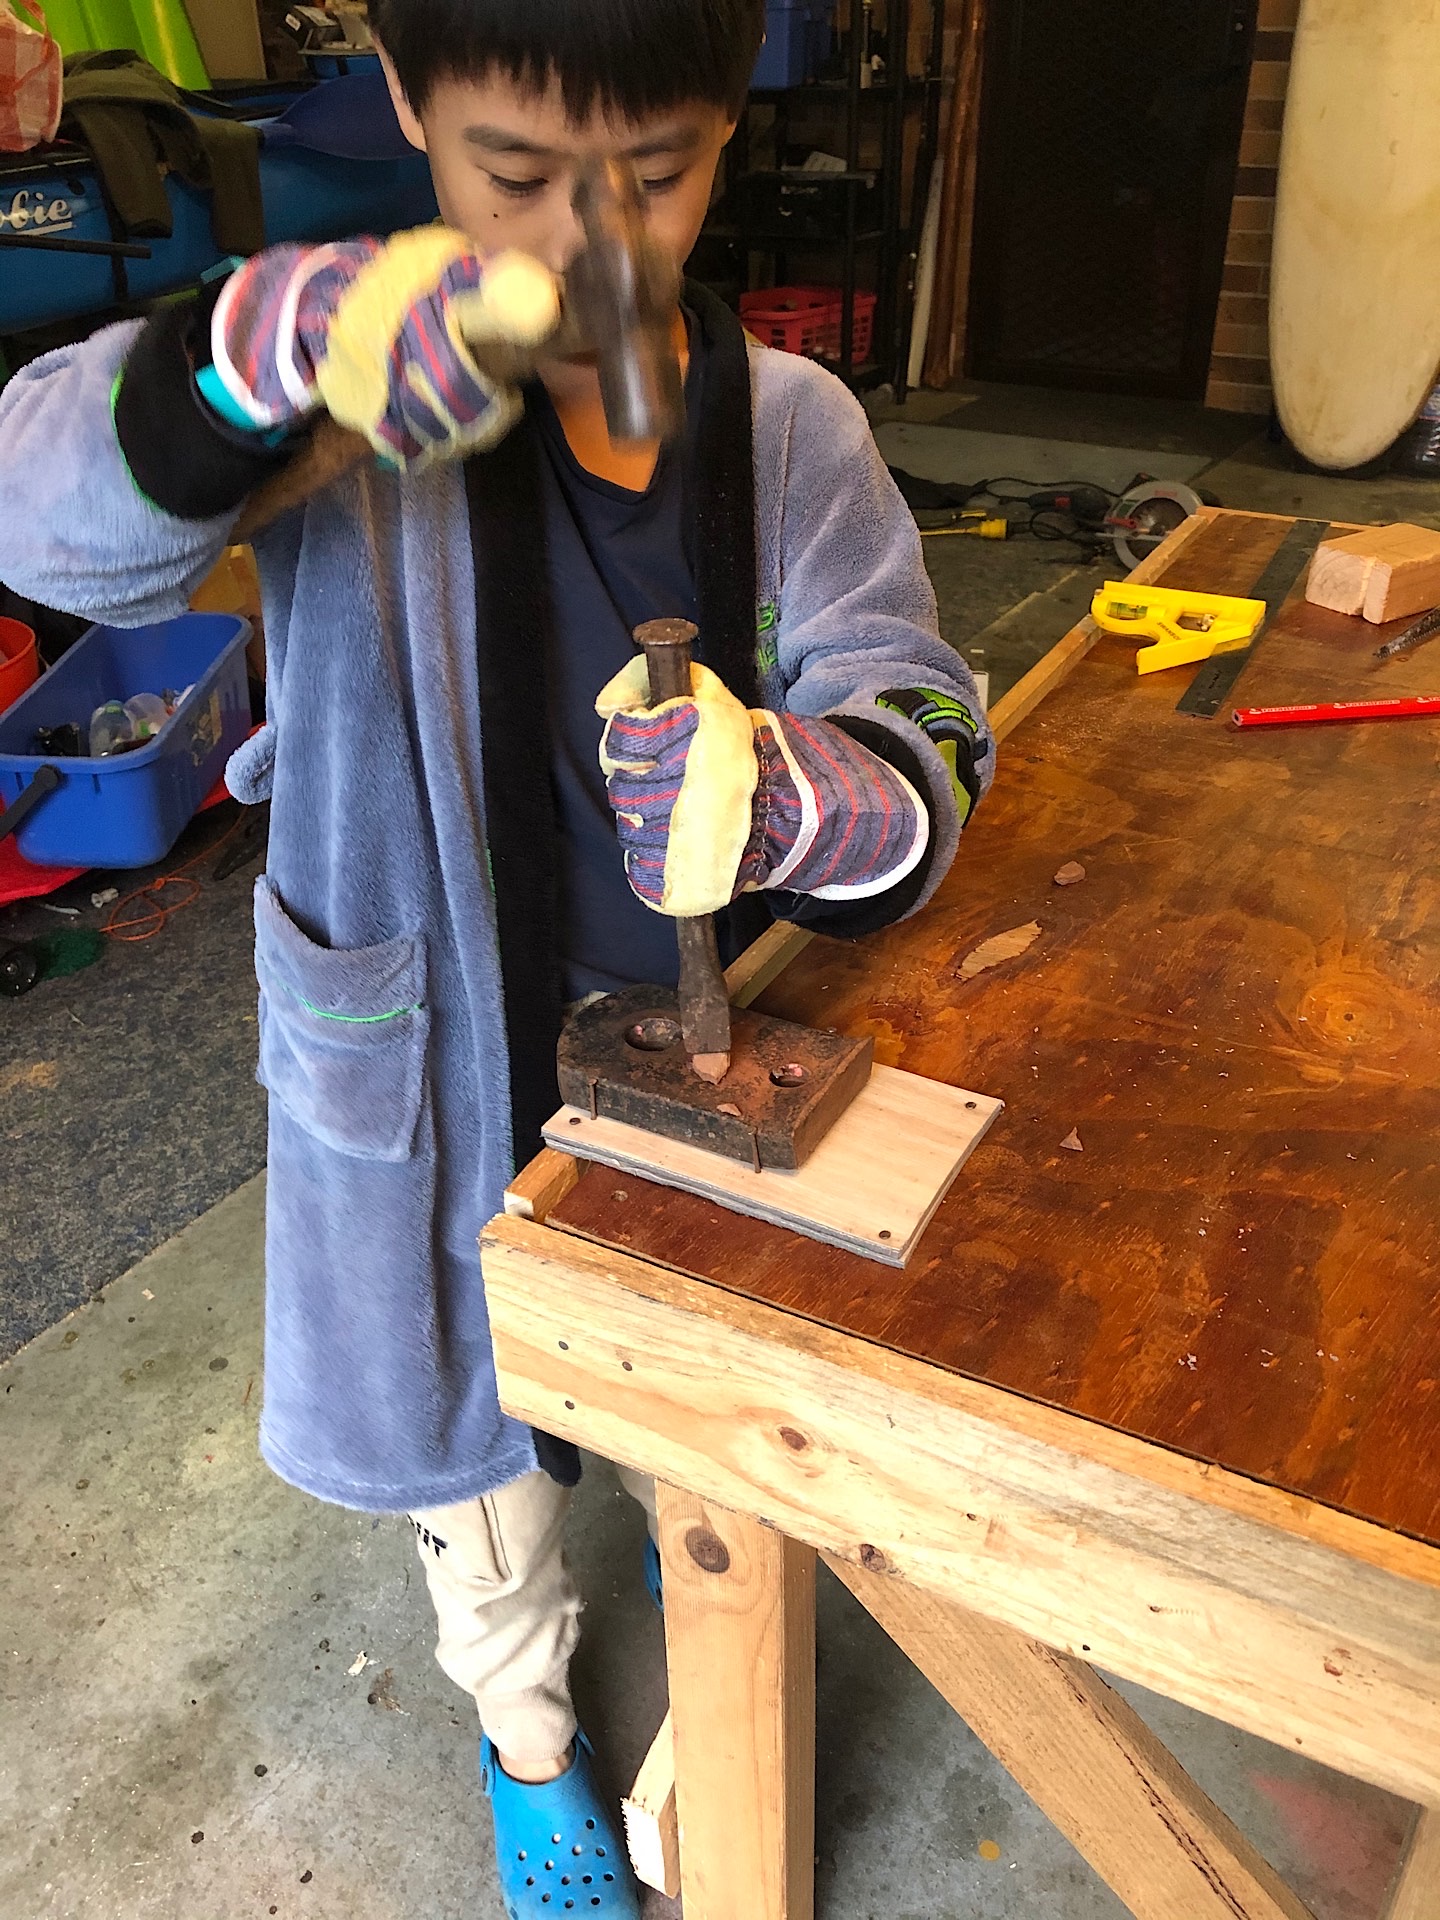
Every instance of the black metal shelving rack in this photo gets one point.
(893, 240)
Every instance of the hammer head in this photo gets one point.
(620, 295)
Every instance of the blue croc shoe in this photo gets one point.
(557, 1845)
(654, 1581)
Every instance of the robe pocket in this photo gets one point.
(342, 1034)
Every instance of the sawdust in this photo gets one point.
(999, 947)
(39, 1077)
(1072, 1142)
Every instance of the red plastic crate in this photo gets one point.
(808, 320)
(862, 331)
(794, 319)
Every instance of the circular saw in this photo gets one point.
(1142, 518)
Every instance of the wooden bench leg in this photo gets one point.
(740, 1645)
(1416, 1894)
(1086, 1758)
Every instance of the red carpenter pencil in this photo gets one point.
(1406, 709)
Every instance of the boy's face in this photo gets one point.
(505, 162)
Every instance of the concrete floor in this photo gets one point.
(127, 1091)
(180, 1735)
(184, 1737)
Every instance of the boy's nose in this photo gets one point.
(565, 236)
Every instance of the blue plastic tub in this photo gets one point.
(130, 809)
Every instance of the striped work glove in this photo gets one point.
(379, 333)
(712, 801)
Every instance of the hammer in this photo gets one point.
(618, 305)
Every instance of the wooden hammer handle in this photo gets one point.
(331, 452)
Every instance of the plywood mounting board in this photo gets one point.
(871, 1185)
(1354, 321)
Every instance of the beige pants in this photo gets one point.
(507, 1608)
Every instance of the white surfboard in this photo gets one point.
(1355, 282)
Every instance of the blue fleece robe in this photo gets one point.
(382, 1039)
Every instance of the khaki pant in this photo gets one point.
(507, 1608)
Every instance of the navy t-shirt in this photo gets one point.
(616, 558)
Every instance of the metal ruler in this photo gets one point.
(1210, 689)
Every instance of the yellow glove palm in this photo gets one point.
(688, 837)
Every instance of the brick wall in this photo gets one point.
(1240, 352)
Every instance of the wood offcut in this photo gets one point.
(1380, 573)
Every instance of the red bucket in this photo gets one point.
(19, 667)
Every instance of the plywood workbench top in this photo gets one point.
(1237, 1011)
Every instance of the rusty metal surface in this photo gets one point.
(622, 1057)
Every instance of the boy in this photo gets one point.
(443, 874)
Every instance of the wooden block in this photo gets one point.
(541, 1185)
(1416, 1893)
(1381, 573)
(740, 1629)
(871, 1185)
(1085, 1757)
(652, 1832)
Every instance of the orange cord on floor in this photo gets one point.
(150, 919)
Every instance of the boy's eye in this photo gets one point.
(517, 189)
(664, 185)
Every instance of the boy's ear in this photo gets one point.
(404, 112)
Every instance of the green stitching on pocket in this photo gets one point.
(354, 1019)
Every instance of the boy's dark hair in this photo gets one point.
(630, 58)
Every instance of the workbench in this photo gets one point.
(1165, 1405)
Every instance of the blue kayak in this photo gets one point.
(333, 162)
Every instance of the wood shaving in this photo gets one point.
(1070, 874)
(1072, 1142)
(1000, 946)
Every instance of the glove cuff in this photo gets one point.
(833, 819)
(269, 327)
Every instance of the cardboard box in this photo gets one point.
(229, 35)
